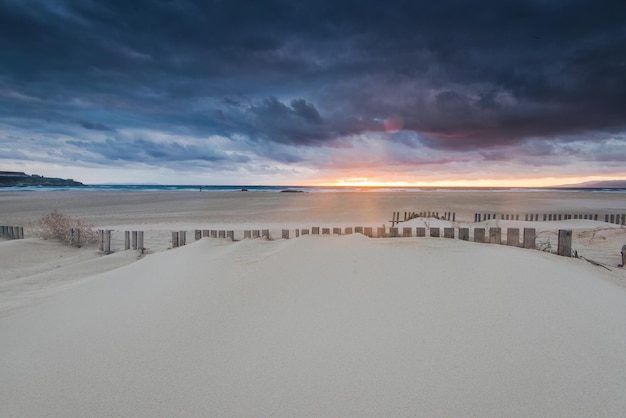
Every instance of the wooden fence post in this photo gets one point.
(174, 239)
(348, 230)
(420, 231)
(393, 232)
(198, 234)
(407, 232)
(434, 232)
(325, 231)
(265, 233)
(368, 232)
(464, 234)
(305, 231)
(205, 233)
(336, 231)
(182, 238)
(623, 256)
(529, 238)
(126, 240)
(285, 234)
(479, 234)
(358, 229)
(380, 232)
(315, 230)
(140, 246)
(221, 233)
(512, 237)
(565, 243)
(448, 232)
(107, 241)
(256, 233)
(247, 234)
(134, 240)
(230, 235)
(495, 235)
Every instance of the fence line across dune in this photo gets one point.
(618, 219)
(12, 232)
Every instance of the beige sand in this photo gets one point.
(315, 326)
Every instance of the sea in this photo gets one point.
(280, 189)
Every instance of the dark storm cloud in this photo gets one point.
(96, 126)
(121, 148)
(458, 74)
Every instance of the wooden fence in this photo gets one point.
(618, 219)
(395, 217)
(493, 235)
(12, 232)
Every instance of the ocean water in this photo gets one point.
(278, 189)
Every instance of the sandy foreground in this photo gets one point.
(314, 326)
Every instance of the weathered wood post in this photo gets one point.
(623, 256)
(198, 234)
(107, 241)
(213, 233)
(247, 234)
(368, 232)
(336, 231)
(315, 230)
(420, 231)
(565, 243)
(256, 233)
(393, 232)
(265, 233)
(448, 232)
(134, 240)
(126, 240)
(230, 235)
(464, 234)
(205, 233)
(434, 232)
(529, 238)
(512, 237)
(297, 233)
(221, 233)
(495, 235)
(358, 229)
(479, 234)
(174, 239)
(182, 238)
(285, 234)
(305, 231)
(325, 231)
(140, 246)
(407, 232)
(100, 239)
(348, 230)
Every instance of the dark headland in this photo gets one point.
(19, 179)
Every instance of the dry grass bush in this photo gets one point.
(57, 225)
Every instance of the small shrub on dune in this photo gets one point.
(57, 225)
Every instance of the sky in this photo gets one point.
(445, 92)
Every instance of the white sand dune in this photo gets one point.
(324, 326)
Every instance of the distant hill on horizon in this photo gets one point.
(603, 184)
(21, 179)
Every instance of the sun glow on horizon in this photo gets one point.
(507, 182)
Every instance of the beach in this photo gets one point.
(319, 325)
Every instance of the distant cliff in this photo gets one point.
(19, 179)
